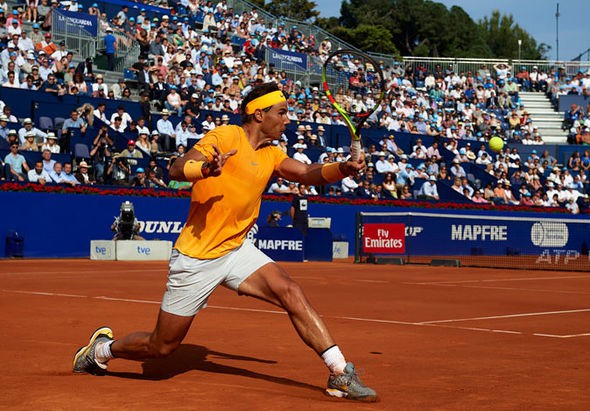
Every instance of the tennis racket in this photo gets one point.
(348, 76)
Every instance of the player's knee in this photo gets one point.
(160, 350)
(292, 297)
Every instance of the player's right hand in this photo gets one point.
(217, 162)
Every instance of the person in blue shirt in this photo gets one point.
(110, 42)
(17, 163)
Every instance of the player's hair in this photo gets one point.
(256, 92)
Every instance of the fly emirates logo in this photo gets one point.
(384, 238)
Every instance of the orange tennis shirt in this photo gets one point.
(224, 208)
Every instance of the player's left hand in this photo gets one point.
(217, 162)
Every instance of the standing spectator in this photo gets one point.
(74, 122)
(101, 153)
(17, 163)
(298, 211)
(110, 42)
(38, 174)
(166, 130)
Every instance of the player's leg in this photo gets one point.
(190, 282)
(272, 284)
(169, 332)
(269, 282)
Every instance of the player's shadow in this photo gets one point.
(189, 357)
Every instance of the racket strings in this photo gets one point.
(354, 84)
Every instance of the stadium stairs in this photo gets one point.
(545, 118)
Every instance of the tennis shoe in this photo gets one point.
(348, 385)
(84, 360)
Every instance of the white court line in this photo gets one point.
(562, 336)
(491, 280)
(494, 317)
(537, 290)
(438, 323)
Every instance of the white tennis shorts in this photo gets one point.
(191, 280)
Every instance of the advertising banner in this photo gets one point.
(384, 239)
(73, 22)
(284, 59)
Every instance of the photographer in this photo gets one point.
(101, 153)
(274, 219)
(119, 171)
(126, 226)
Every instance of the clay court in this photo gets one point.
(424, 338)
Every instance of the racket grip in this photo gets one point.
(355, 150)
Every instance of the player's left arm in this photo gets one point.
(318, 174)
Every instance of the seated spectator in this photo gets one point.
(153, 181)
(405, 177)
(428, 190)
(140, 179)
(365, 191)
(457, 170)
(38, 174)
(57, 175)
(131, 151)
(82, 174)
(119, 171)
(299, 155)
(500, 196)
(17, 164)
(29, 144)
(278, 187)
(479, 198)
(349, 184)
(405, 193)
(51, 143)
(29, 127)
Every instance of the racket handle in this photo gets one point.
(355, 150)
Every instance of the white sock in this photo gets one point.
(102, 352)
(334, 360)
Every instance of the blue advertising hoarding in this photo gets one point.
(284, 59)
(73, 22)
(64, 224)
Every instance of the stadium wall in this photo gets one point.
(62, 225)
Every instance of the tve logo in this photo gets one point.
(100, 250)
(144, 250)
(384, 238)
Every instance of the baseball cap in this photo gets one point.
(131, 143)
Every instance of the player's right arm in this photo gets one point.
(318, 174)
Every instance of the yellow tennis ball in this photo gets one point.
(496, 144)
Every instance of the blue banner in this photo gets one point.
(280, 243)
(441, 234)
(287, 59)
(73, 22)
(76, 219)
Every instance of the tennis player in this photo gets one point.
(230, 168)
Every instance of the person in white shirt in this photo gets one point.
(382, 165)
(99, 113)
(51, 143)
(38, 174)
(300, 155)
(125, 117)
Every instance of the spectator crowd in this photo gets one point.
(198, 61)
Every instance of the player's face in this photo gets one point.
(275, 120)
